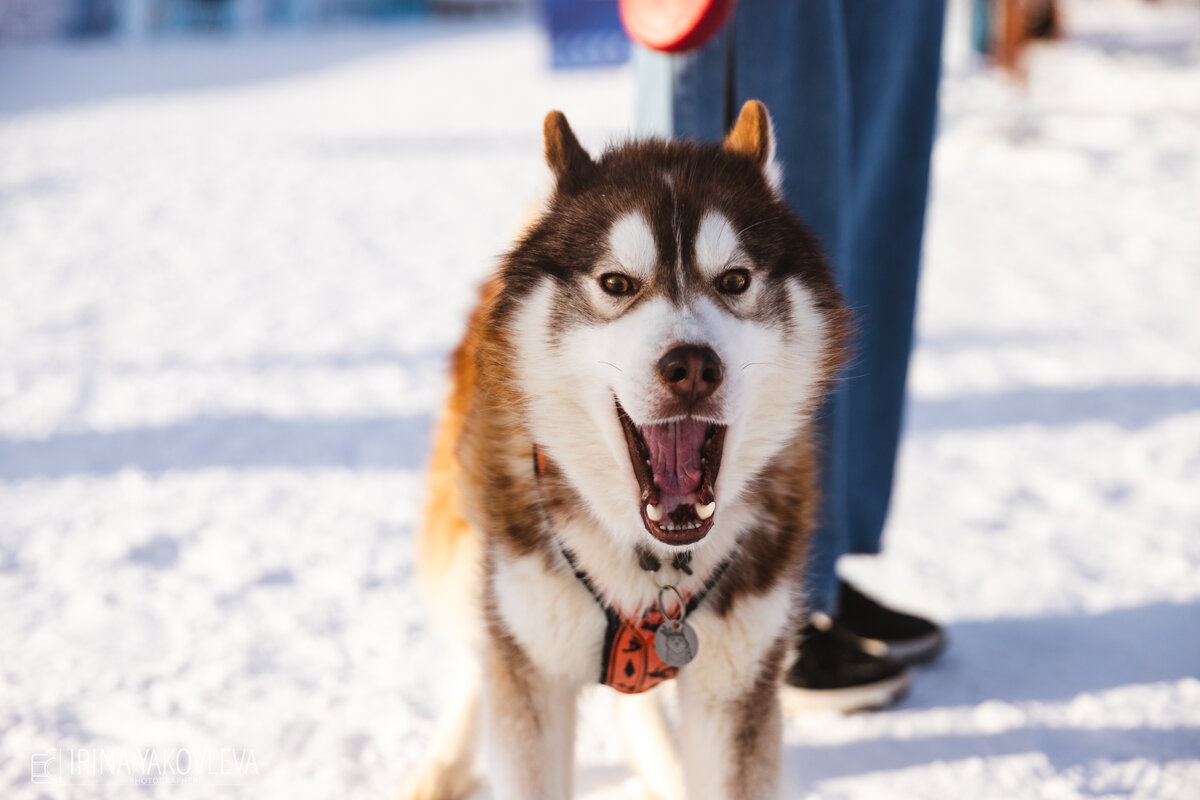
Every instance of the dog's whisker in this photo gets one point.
(759, 364)
(614, 366)
(753, 225)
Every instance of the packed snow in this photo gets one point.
(231, 270)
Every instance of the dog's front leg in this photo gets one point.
(731, 743)
(731, 725)
(530, 726)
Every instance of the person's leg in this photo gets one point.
(894, 64)
(894, 68)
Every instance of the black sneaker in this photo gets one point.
(887, 633)
(833, 673)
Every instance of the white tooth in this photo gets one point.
(705, 511)
(653, 512)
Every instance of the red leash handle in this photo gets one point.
(673, 26)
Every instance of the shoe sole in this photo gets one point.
(852, 698)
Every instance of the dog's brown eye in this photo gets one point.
(735, 281)
(616, 283)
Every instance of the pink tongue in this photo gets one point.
(675, 451)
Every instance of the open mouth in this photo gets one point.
(676, 466)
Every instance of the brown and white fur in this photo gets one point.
(550, 352)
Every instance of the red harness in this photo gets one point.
(629, 662)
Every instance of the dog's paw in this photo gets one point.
(434, 781)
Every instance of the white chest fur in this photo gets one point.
(553, 616)
(561, 626)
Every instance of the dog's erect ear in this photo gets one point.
(753, 135)
(566, 157)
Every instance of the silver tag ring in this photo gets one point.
(678, 597)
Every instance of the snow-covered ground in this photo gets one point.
(230, 272)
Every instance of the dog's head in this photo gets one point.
(674, 327)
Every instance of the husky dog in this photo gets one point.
(623, 481)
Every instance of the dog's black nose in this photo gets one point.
(691, 371)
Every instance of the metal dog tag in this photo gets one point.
(676, 642)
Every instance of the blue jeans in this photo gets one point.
(852, 89)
